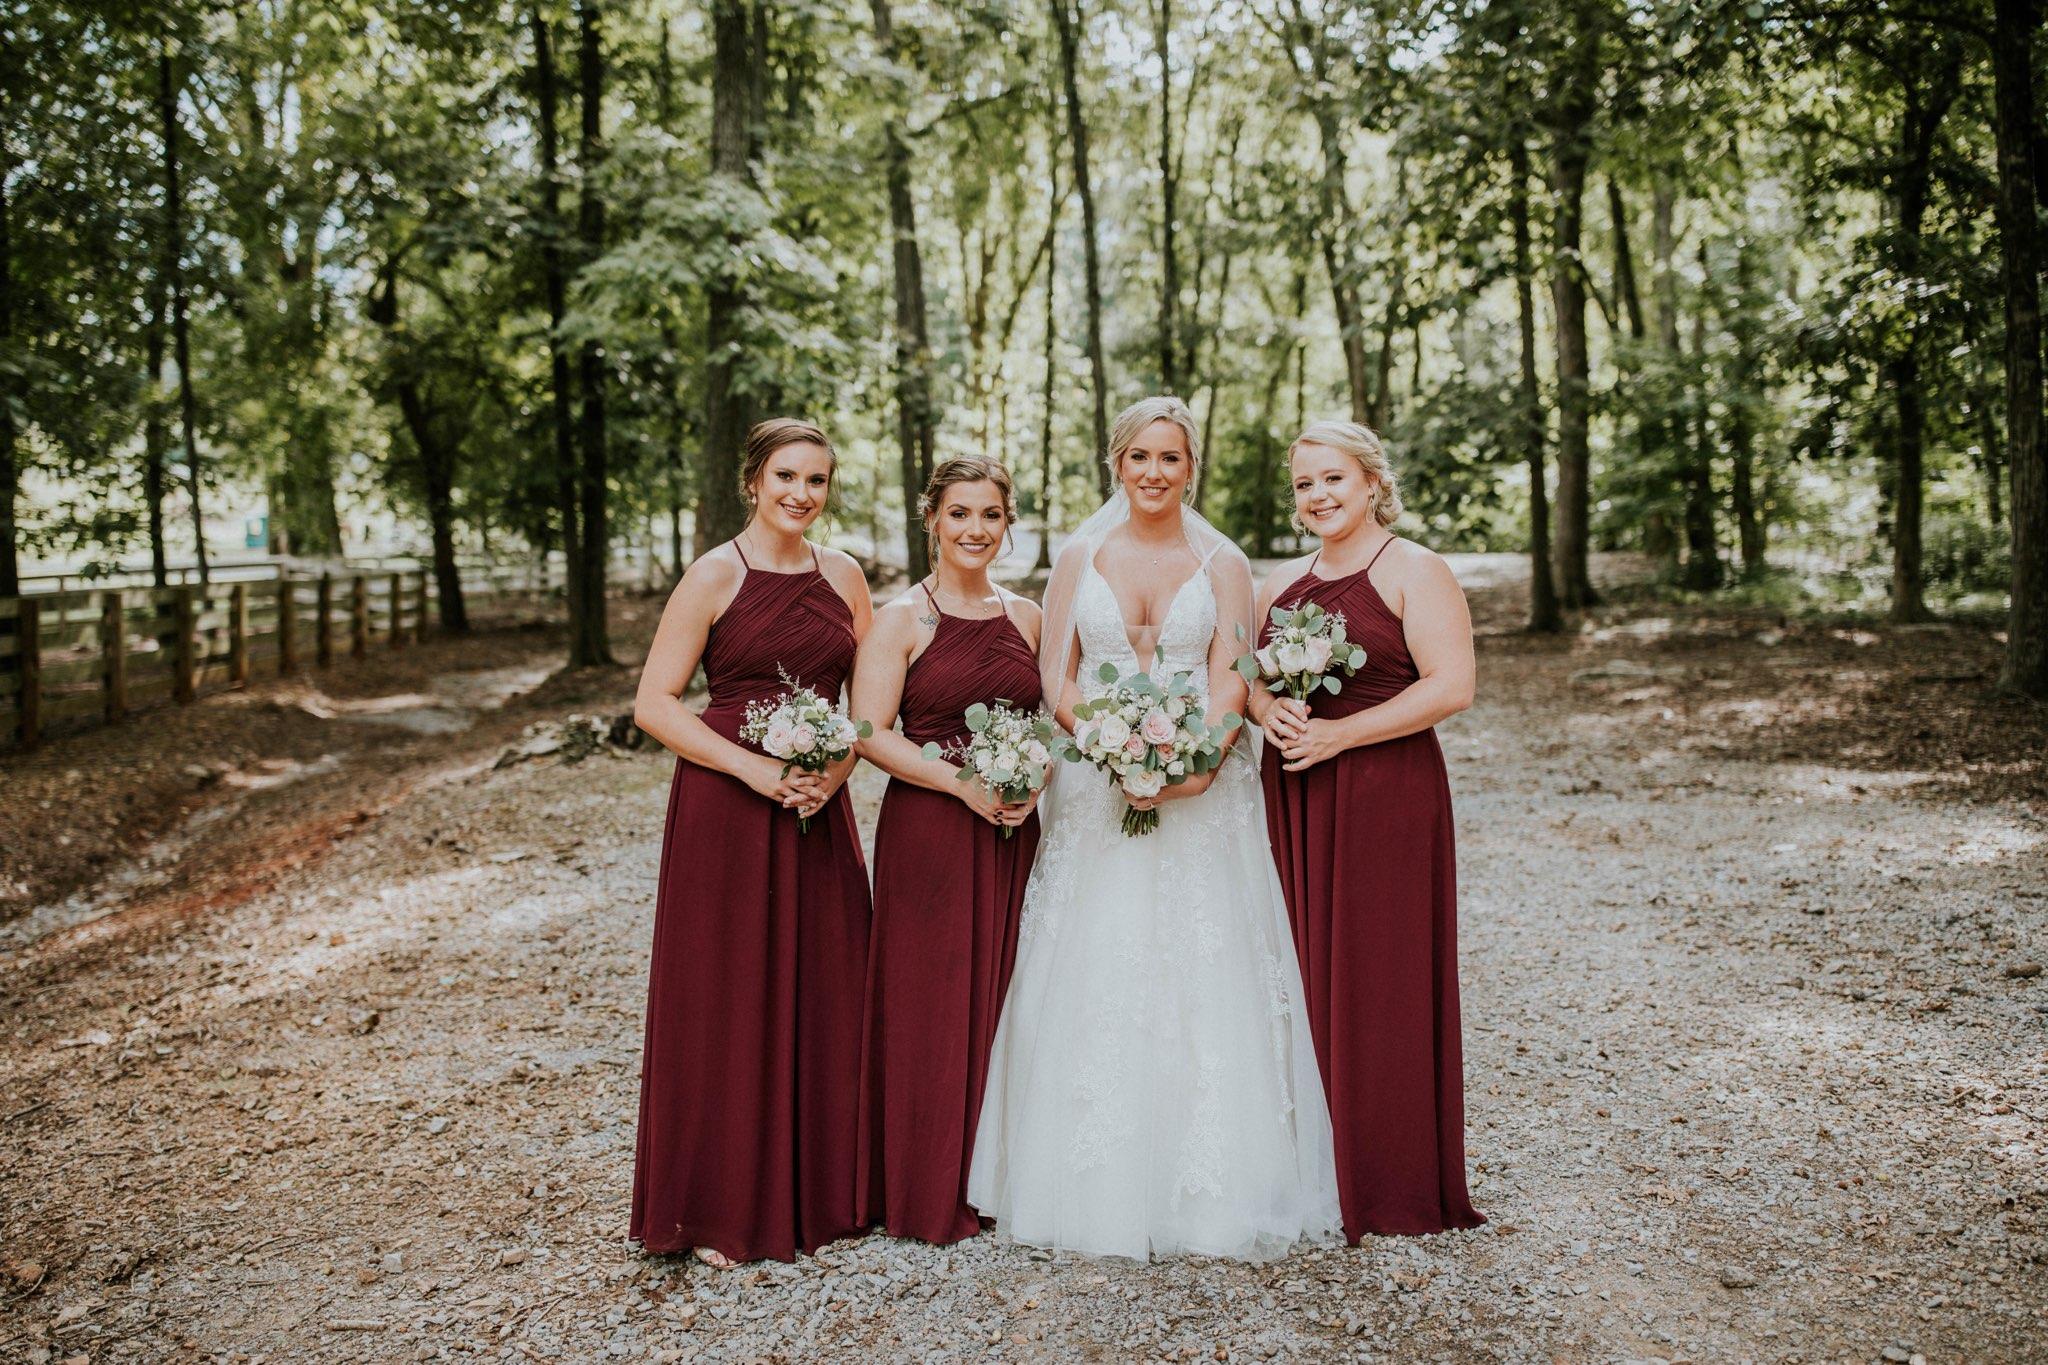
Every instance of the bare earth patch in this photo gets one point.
(1756, 1045)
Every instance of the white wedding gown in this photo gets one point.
(1153, 1087)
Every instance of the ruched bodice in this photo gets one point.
(1388, 670)
(777, 623)
(968, 661)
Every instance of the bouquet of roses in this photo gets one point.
(1307, 643)
(804, 731)
(1007, 752)
(1146, 738)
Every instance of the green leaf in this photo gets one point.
(864, 729)
(977, 718)
(1107, 673)
(932, 751)
(1329, 683)
(1280, 616)
(1247, 667)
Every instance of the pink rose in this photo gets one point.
(802, 739)
(777, 740)
(1157, 728)
(1135, 747)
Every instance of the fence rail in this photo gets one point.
(80, 657)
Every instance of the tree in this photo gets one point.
(1066, 21)
(1573, 105)
(589, 638)
(2017, 120)
(554, 279)
(915, 434)
(728, 411)
(169, 88)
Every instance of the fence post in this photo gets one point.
(114, 653)
(238, 635)
(185, 662)
(397, 610)
(419, 623)
(285, 624)
(323, 627)
(359, 613)
(28, 644)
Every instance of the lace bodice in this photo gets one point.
(1184, 634)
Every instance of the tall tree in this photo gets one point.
(1573, 105)
(1047, 460)
(1066, 21)
(916, 434)
(590, 636)
(10, 375)
(1169, 212)
(1544, 616)
(2012, 58)
(169, 91)
(555, 281)
(728, 410)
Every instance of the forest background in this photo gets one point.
(1748, 286)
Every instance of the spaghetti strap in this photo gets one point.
(1377, 553)
(936, 609)
(818, 567)
(738, 550)
(1314, 560)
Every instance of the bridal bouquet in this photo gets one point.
(1147, 738)
(804, 731)
(1307, 643)
(1007, 752)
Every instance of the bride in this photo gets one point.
(1153, 1088)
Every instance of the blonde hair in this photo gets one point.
(765, 438)
(1362, 444)
(1143, 413)
(964, 469)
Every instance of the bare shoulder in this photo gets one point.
(1021, 608)
(1421, 566)
(712, 577)
(896, 620)
(843, 572)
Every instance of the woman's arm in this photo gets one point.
(1437, 626)
(1279, 716)
(672, 661)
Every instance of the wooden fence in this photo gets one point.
(73, 659)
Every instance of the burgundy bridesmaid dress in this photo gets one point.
(948, 891)
(749, 1087)
(1364, 847)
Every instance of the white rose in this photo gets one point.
(1113, 731)
(779, 740)
(1318, 647)
(1143, 783)
(1034, 752)
(1291, 657)
(1176, 708)
(802, 739)
(1176, 769)
(845, 734)
(1267, 665)
(983, 760)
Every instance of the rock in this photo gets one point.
(2023, 971)
(394, 1262)
(512, 1256)
(1735, 1277)
(1895, 1352)
(437, 1125)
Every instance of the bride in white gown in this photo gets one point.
(1153, 1087)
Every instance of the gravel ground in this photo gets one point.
(1756, 1050)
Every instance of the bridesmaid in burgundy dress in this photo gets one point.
(948, 886)
(748, 1088)
(1359, 810)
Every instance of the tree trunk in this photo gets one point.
(10, 472)
(2026, 652)
(590, 641)
(1749, 522)
(915, 436)
(439, 456)
(154, 435)
(1702, 546)
(1066, 21)
(1624, 260)
(554, 279)
(174, 273)
(671, 366)
(721, 512)
(1169, 189)
(1045, 455)
(1927, 104)
(1544, 616)
(1571, 150)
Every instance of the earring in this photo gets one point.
(1294, 520)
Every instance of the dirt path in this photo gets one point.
(1755, 1065)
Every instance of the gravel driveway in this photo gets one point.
(1756, 1049)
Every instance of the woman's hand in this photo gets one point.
(1285, 721)
(827, 786)
(791, 791)
(1318, 742)
(993, 809)
(1178, 791)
